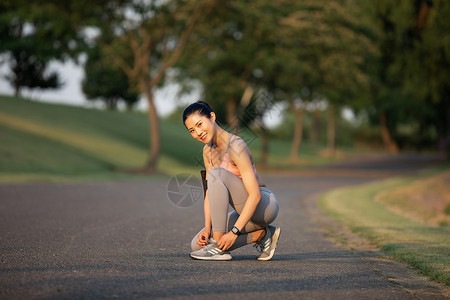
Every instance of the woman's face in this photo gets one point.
(201, 127)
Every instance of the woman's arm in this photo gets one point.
(206, 209)
(207, 212)
(203, 236)
(240, 155)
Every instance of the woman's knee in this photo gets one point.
(216, 175)
(267, 210)
(272, 213)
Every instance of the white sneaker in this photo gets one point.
(210, 252)
(269, 243)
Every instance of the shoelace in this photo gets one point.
(259, 247)
(262, 246)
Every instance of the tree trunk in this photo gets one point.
(447, 133)
(111, 104)
(315, 127)
(247, 96)
(155, 141)
(422, 16)
(389, 143)
(231, 110)
(331, 131)
(298, 133)
(17, 88)
(264, 147)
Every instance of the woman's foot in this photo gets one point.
(210, 252)
(268, 243)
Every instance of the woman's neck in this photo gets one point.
(221, 138)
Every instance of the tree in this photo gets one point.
(321, 52)
(30, 70)
(33, 33)
(106, 81)
(150, 38)
(285, 48)
(411, 84)
(28, 55)
(424, 59)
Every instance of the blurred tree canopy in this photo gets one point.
(24, 34)
(33, 33)
(298, 51)
(388, 60)
(410, 81)
(106, 81)
(322, 54)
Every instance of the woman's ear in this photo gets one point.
(213, 117)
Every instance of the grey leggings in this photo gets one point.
(224, 189)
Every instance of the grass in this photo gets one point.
(102, 148)
(47, 141)
(42, 141)
(426, 200)
(23, 151)
(421, 245)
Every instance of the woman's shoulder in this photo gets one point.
(237, 141)
(238, 145)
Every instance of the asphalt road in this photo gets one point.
(127, 240)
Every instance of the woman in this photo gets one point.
(232, 180)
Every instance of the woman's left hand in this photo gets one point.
(226, 241)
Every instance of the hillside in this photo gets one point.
(42, 141)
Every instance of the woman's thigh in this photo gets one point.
(267, 209)
(236, 190)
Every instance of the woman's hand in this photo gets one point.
(226, 241)
(203, 237)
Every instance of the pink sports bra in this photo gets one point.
(226, 161)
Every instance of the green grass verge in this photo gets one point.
(424, 247)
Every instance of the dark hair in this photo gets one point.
(200, 107)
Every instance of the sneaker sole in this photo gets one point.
(275, 237)
(223, 257)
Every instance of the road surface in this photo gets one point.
(127, 240)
